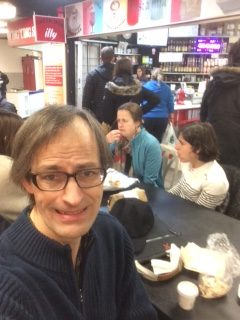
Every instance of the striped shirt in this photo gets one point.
(206, 185)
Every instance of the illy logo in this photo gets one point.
(50, 34)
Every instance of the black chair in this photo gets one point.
(233, 204)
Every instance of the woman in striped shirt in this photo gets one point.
(203, 180)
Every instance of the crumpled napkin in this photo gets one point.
(162, 266)
(116, 180)
(203, 260)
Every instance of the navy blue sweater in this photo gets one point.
(38, 280)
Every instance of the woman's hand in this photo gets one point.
(113, 136)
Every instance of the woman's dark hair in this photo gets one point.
(201, 136)
(234, 54)
(122, 66)
(9, 124)
(134, 109)
(143, 76)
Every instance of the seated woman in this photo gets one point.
(12, 198)
(203, 180)
(136, 152)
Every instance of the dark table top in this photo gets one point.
(194, 223)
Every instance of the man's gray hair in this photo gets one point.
(41, 127)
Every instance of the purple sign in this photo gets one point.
(208, 45)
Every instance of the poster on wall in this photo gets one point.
(74, 20)
(154, 12)
(114, 15)
(185, 10)
(107, 16)
(92, 22)
(54, 84)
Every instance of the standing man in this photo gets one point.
(61, 259)
(95, 83)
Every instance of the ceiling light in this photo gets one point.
(7, 10)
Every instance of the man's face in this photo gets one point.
(68, 214)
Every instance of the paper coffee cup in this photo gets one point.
(187, 294)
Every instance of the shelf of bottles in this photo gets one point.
(195, 66)
(124, 52)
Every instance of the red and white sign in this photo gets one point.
(54, 76)
(21, 32)
(37, 29)
(49, 29)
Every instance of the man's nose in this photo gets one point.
(73, 194)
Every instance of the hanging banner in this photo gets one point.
(34, 30)
(49, 29)
(21, 32)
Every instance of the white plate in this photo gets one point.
(116, 180)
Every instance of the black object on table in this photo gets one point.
(187, 222)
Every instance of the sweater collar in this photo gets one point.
(36, 248)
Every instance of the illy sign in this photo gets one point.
(49, 29)
(50, 34)
(37, 29)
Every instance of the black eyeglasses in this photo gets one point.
(56, 181)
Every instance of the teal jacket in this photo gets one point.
(146, 158)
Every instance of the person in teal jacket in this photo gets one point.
(135, 151)
(156, 120)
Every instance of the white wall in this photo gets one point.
(11, 64)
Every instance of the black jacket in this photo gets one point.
(3, 84)
(8, 106)
(94, 88)
(232, 207)
(125, 89)
(221, 107)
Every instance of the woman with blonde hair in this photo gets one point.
(156, 120)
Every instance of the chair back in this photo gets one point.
(170, 165)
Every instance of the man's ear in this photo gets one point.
(27, 185)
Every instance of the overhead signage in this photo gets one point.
(37, 29)
(49, 29)
(21, 32)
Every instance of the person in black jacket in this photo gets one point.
(96, 81)
(124, 88)
(221, 107)
(3, 84)
(6, 105)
